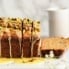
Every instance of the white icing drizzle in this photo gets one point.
(18, 33)
(32, 49)
(22, 47)
(10, 46)
(20, 44)
(9, 39)
(39, 50)
(32, 40)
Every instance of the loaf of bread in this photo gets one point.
(56, 44)
(19, 37)
(31, 39)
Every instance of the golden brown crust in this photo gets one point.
(15, 24)
(55, 43)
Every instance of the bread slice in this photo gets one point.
(53, 43)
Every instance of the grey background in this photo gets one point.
(35, 9)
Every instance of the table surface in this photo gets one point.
(22, 60)
(33, 63)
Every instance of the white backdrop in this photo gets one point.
(35, 9)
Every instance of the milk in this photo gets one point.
(59, 22)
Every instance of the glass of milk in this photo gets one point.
(59, 22)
